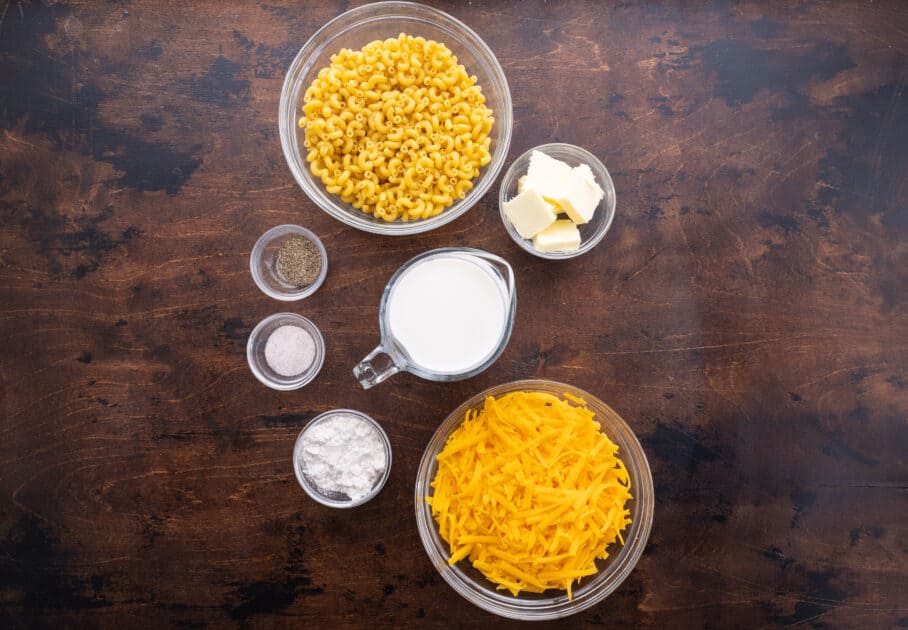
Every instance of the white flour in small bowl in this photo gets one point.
(343, 455)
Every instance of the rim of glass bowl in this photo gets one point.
(263, 373)
(305, 60)
(259, 248)
(310, 488)
(560, 150)
(589, 592)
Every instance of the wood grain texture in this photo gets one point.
(747, 314)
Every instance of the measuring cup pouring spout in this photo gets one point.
(506, 273)
(453, 313)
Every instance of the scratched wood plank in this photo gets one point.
(746, 314)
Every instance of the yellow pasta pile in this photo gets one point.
(397, 129)
(531, 491)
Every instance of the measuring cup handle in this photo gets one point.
(375, 368)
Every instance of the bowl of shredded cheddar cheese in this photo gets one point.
(534, 500)
(395, 118)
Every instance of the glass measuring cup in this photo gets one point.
(391, 356)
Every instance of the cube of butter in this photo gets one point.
(560, 236)
(520, 183)
(529, 213)
(548, 176)
(583, 170)
(580, 198)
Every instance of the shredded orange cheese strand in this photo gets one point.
(532, 491)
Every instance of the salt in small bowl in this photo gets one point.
(255, 352)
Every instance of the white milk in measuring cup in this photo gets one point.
(445, 315)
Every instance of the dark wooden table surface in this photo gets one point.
(747, 314)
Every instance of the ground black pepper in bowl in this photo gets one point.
(288, 262)
(299, 261)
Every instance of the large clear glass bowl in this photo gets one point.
(474, 586)
(358, 27)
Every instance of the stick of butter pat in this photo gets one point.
(547, 175)
(580, 198)
(561, 236)
(529, 213)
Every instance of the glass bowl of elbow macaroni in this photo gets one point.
(352, 31)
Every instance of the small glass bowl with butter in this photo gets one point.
(572, 178)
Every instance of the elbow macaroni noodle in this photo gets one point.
(397, 129)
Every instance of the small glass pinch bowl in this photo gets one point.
(255, 352)
(590, 233)
(378, 21)
(339, 500)
(263, 263)
(551, 604)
